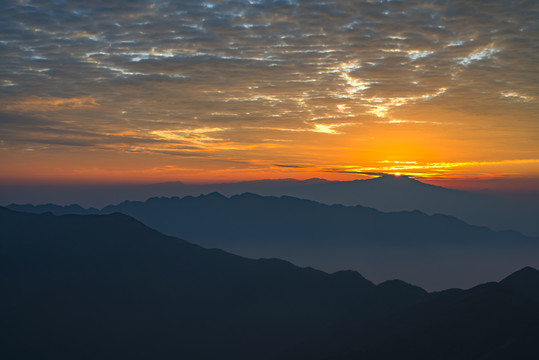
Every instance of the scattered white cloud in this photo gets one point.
(477, 55)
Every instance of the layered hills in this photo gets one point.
(433, 251)
(107, 286)
(386, 193)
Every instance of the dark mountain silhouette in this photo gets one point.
(401, 193)
(385, 193)
(55, 209)
(518, 282)
(451, 325)
(106, 286)
(435, 251)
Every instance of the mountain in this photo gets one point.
(399, 193)
(106, 286)
(55, 209)
(452, 325)
(385, 193)
(433, 251)
(82, 286)
(519, 281)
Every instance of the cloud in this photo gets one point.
(426, 169)
(294, 166)
(194, 135)
(169, 72)
(35, 103)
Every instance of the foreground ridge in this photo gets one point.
(108, 286)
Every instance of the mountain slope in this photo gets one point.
(91, 287)
(490, 321)
(435, 252)
(82, 278)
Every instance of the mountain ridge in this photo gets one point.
(410, 244)
(386, 193)
(116, 288)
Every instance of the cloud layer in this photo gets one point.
(264, 82)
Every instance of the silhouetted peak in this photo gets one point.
(396, 181)
(248, 195)
(524, 282)
(349, 276)
(73, 207)
(270, 181)
(160, 199)
(315, 181)
(390, 178)
(282, 200)
(401, 291)
(124, 203)
(213, 196)
(525, 275)
(399, 284)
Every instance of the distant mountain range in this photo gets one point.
(433, 251)
(385, 193)
(106, 286)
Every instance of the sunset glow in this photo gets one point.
(216, 91)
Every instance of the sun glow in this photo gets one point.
(271, 95)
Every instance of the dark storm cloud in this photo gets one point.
(170, 66)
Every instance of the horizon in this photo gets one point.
(496, 185)
(100, 194)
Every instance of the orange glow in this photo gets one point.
(272, 95)
(35, 103)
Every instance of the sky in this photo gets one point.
(152, 91)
